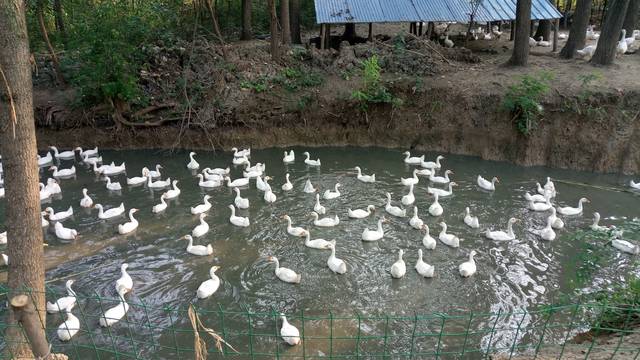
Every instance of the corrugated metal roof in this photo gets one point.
(364, 11)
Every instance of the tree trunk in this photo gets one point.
(610, 34)
(216, 29)
(520, 55)
(578, 33)
(294, 16)
(544, 30)
(247, 33)
(285, 23)
(59, 15)
(275, 39)
(18, 147)
(349, 32)
(631, 19)
(45, 37)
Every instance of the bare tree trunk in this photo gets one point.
(544, 30)
(216, 29)
(247, 33)
(275, 39)
(285, 23)
(611, 28)
(631, 19)
(294, 16)
(45, 37)
(520, 55)
(349, 32)
(578, 33)
(18, 147)
(59, 15)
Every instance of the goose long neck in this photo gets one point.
(190, 242)
(70, 291)
(596, 219)
(233, 211)
(359, 171)
(162, 200)
(100, 210)
(580, 205)
(277, 262)
(131, 216)
(471, 257)
(510, 228)
(444, 228)
(212, 273)
(307, 156)
(380, 225)
(333, 251)
(420, 256)
(191, 156)
(438, 161)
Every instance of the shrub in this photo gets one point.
(523, 100)
(373, 90)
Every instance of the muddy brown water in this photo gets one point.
(512, 276)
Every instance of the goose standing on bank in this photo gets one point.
(624, 246)
(468, 267)
(193, 164)
(241, 203)
(361, 213)
(111, 213)
(448, 239)
(568, 210)
(174, 192)
(289, 158)
(210, 286)
(325, 222)
(288, 332)
(199, 209)
(129, 226)
(415, 222)
(502, 235)
(70, 327)
(237, 220)
(486, 184)
(545, 233)
(394, 210)
(365, 178)
(424, 269)
(295, 231)
(471, 221)
(202, 228)
(442, 192)
(113, 315)
(595, 226)
(310, 162)
(328, 194)
(199, 250)
(374, 235)
(427, 240)
(336, 265)
(408, 199)
(64, 302)
(287, 186)
(285, 274)
(65, 233)
(435, 209)
(308, 187)
(320, 244)
(409, 160)
(160, 207)
(399, 268)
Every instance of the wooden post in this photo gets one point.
(420, 30)
(513, 30)
(370, 37)
(27, 315)
(323, 28)
(556, 26)
(531, 32)
(429, 29)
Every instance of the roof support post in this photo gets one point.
(429, 29)
(513, 30)
(370, 37)
(327, 37)
(420, 29)
(556, 26)
(322, 35)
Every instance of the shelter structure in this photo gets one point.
(329, 12)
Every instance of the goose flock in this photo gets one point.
(440, 186)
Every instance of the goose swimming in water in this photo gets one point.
(320, 244)
(125, 283)
(115, 186)
(336, 265)
(65, 302)
(287, 186)
(545, 233)
(374, 235)
(568, 210)
(210, 286)
(111, 213)
(409, 160)
(595, 226)
(471, 221)
(427, 240)
(199, 250)
(441, 179)
(70, 327)
(424, 269)
(410, 198)
(448, 239)
(289, 158)
(394, 210)
(399, 268)
(486, 184)
(63, 173)
(239, 201)
(412, 180)
(364, 178)
(129, 226)
(310, 162)
(556, 222)
(318, 207)
(468, 267)
(285, 274)
(328, 194)
(174, 192)
(432, 165)
(202, 228)
(325, 222)
(435, 209)
(361, 213)
(65, 233)
(442, 192)
(503, 235)
(199, 209)
(59, 216)
(193, 164)
(295, 231)
(160, 207)
(237, 220)
(116, 313)
(415, 222)
(308, 187)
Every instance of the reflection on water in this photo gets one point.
(512, 276)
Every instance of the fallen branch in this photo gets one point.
(120, 119)
(153, 108)
(432, 48)
(200, 346)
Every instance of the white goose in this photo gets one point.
(199, 250)
(65, 155)
(239, 182)
(3, 237)
(320, 244)
(432, 165)
(285, 274)
(374, 235)
(240, 160)
(318, 207)
(448, 239)
(129, 226)
(468, 267)
(547, 191)
(210, 286)
(289, 158)
(308, 187)
(427, 240)
(424, 172)
(424, 269)
(59, 216)
(136, 180)
(113, 315)
(441, 179)
(535, 197)
(193, 164)
(408, 199)
(556, 222)
(435, 209)
(287, 186)
(125, 283)
(63, 173)
(262, 184)
(634, 185)
(209, 184)
(409, 160)
(43, 221)
(202, 228)
(295, 231)
(325, 222)
(595, 226)
(161, 184)
(44, 193)
(545, 233)
(398, 268)
(92, 160)
(336, 265)
(174, 192)
(539, 206)
(502, 235)
(486, 184)
(415, 222)
(154, 174)
(208, 175)
(361, 213)
(45, 160)
(220, 171)
(111, 213)
(310, 162)
(412, 180)
(442, 192)
(568, 210)
(65, 233)
(113, 169)
(622, 46)
(115, 186)
(394, 210)
(201, 208)
(237, 220)
(624, 246)
(52, 186)
(471, 221)
(288, 332)
(64, 302)
(239, 201)
(70, 327)
(328, 194)
(365, 178)
(158, 208)
(87, 153)
(240, 153)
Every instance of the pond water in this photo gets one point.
(511, 277)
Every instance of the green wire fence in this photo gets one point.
(156, 332)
